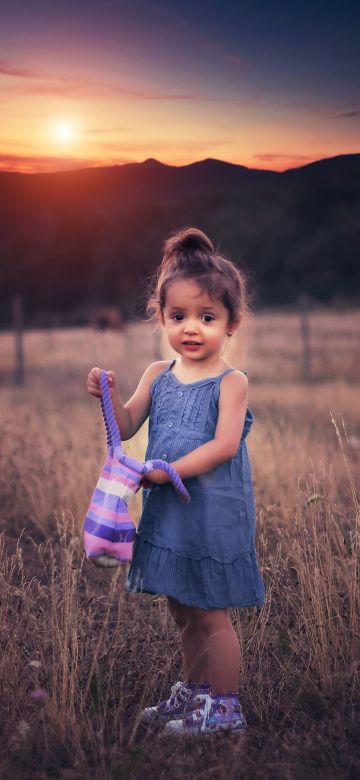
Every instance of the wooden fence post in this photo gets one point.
(18, 324)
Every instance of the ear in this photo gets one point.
(235, 324)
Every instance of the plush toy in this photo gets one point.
(108, 529)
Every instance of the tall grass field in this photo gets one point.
(80, 657)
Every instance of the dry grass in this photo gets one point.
(96, 654)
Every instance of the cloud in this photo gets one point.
(82, 86)
(88, 88)
(179, 26)
(149, 149)
(222, 54)
(107, 130)
(225, 55)
(268, 157)
(348, 115)
(26, 73)
(10, 142)
(37, 164)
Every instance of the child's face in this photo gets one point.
(191, 315)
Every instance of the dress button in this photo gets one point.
(180, 393)
(164, 456)
(170, 424)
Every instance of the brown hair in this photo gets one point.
(189, 253)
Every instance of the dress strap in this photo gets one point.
(218, 380)
(227, 371)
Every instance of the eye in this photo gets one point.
(179, 317)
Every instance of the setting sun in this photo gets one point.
(64, 133)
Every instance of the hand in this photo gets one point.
(155, 477)
(93, 381)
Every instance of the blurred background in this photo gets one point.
(128, 120)
(121, 122)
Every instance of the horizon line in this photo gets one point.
(88, 167)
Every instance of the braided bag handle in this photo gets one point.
(112, 429)
(114, 440)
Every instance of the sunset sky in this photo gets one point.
(259, 83)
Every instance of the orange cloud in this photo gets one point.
(37, 164)
(25, 73)
(85, 87)
(268, 157)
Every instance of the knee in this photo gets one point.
(211, 621)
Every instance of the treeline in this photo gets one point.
(72, 241)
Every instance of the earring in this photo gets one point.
(229, 334)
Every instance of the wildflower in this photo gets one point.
(39, 693)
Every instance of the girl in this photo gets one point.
(200, 555)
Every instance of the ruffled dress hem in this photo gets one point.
(218, 585)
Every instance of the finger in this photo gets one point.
(111, 378)
(93, 388)
(92, 384)
(95, 393)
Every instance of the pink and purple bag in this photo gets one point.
(108, 529)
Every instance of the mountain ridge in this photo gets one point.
(153, 163)
(73, 240)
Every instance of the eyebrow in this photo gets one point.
(203, 308)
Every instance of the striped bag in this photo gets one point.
(108, 529)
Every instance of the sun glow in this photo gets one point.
(64, 133)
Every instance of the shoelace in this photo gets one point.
(179, 692)
(204, 710)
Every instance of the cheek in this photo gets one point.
(171, 330)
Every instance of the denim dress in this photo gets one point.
(202, 553)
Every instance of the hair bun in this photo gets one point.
(192, 241)
(188, 240)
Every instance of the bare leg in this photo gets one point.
(193, 642)
(219, 659)
(210, 646)
(195, 653)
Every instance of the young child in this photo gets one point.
(200, 555)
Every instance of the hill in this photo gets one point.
(75, 239)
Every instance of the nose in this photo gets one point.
(191, 327)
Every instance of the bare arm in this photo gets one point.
(139, 405)
(232, 409)
(201, 460)
(122, 416)
(131, 416)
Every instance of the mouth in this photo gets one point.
(192, 343)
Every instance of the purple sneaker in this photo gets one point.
(181, 698)
(210, 714)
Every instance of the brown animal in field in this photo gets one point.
(106, 318)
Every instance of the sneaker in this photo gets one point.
(208, 715)
(181, 697)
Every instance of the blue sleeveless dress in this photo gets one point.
(201, 553)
